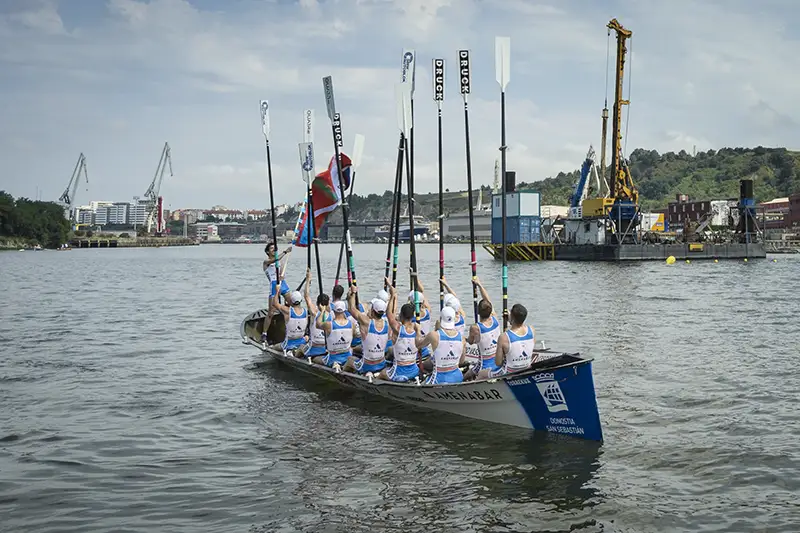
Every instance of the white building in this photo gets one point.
(118, 213)
(137, 213)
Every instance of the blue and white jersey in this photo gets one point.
(296, 325)
(520, 350)
(340, 339)
(317, 335)
(487, 344)
(405, 348)
(374, 344)
(460, 324)
(448, 353)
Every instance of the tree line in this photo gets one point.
(37, 222)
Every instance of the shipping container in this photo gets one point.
(518, 230)
(520, 203)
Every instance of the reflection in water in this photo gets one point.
(488, 462)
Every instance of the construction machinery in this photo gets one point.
(67, 199)
(154, 212)
(588, 176)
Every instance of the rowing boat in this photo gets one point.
(556, 394)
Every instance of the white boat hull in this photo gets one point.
(556, 395)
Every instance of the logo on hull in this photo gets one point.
(551, 392)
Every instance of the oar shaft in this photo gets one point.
(503, 179)
(473, 258)
(272, 212)
(312, 240)
(441, 211)
(398, 180)
(351, 275)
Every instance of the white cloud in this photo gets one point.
(116, 80)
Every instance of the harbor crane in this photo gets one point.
(621, 187)
(67, 199)
(154, 212)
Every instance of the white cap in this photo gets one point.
(339, 306)
(383, 295)
(452, 301)
(296, 297)
(419, 296)
(447, 318)
(378, 305)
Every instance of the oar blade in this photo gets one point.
(330, 103)
(502, 61)
(358, 152)
(308, 126)
(402, 93)
(264, 104)
(438, 80)
(306, 150)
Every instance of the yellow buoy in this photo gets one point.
(687, 261)
(716, 260)
(745, 260)
(774, 260)
(670, 259)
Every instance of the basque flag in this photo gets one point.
(326, 198)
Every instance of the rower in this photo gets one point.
(337, 294)
(338, 335)
(424, 322)
(405, 350)
(296, 319)
(485, 334)
(449, 348)
(514, 346)
(451, 300)
(383, 295)
(316, 337)
(270, 267)
(374, 342)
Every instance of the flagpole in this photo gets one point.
(464, 75)
(502, 50)
(438, 97)
(336, 130)
(398, 181)
(265, 128)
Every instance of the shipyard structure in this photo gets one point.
(605, 221)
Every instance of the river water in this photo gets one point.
(130, 404)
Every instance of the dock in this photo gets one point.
(115, 242)
(540, 251)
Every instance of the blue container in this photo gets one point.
(518, 230)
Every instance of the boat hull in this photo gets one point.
(556, 395)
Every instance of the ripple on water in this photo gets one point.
(146, 414)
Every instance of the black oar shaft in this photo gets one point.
(473, 257)
(398, 180)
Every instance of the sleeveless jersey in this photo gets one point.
(425, 323)
(340, 338)
(354, 321)
(405, 347)
(487, 345)
(317, 335)
(460, 324)
(272, 272)
(296, 325)
(520, 350)
(447, 354)
(374, 343)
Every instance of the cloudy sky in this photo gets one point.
(116, 78)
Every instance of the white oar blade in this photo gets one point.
(358, 152)
(398, 98)
(306, 150)
(265, 118)
(409, 69)
(502, 60)
(327, 86)
(308, 126)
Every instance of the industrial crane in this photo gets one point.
(622, 189)
(588, 176)
(154, 210)
(68, 198)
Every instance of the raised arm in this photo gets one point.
(391, 308)
(280, 256)
(363, 319)
(279, 306)
(321, 322)
(447, 287)
(310, 305)
(484, 294)
(427, 340)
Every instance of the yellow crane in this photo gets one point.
(621, 184)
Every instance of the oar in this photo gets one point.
(464, 74)
(502, 51)
(265, 129)
(398, 183)
(438, 97)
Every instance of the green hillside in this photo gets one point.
(659, 177)
(705, 176)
